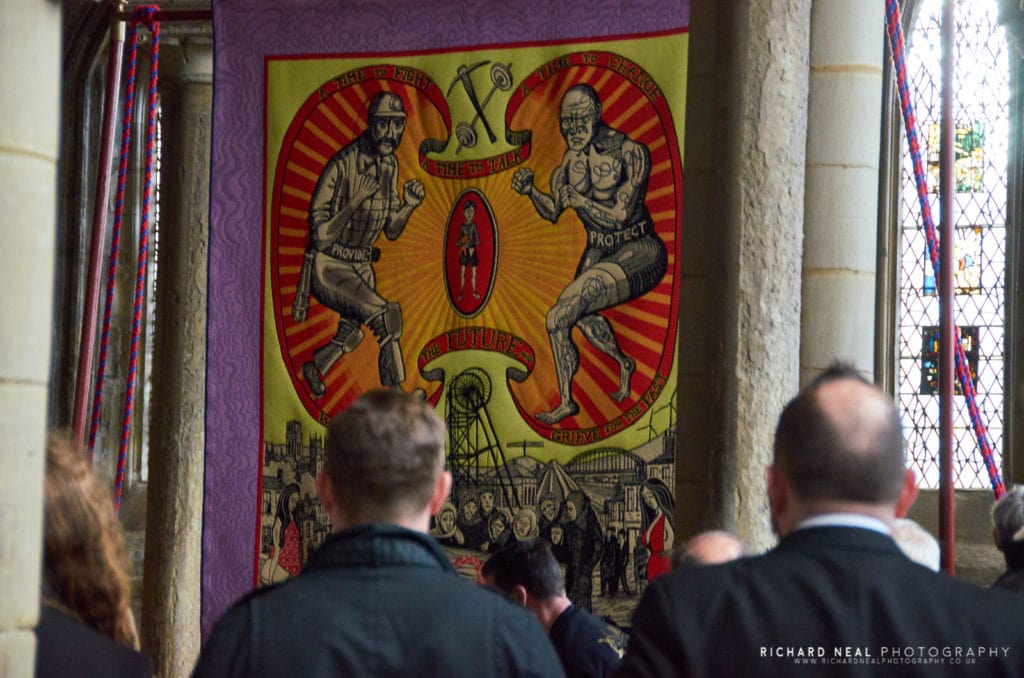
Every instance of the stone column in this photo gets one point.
(171, 595)
(1011, 16)
(841, 203)
(742, 235)
(30, 92)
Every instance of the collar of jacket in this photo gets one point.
(376, 546)
(838, 537)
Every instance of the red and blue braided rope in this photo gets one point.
(142, 15)
(894, 30)
(115, 237)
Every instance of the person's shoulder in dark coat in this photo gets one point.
(66, 647)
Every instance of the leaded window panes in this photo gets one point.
(981, 114)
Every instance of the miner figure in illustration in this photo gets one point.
(356, 198)
(603, 176)
(469, 240)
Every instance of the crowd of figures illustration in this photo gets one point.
(573, 528)
(607, 513)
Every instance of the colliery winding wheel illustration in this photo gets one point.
(471, 438)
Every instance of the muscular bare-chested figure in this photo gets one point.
(603, 176)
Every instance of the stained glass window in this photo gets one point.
(981, 111)
(966, 263)
(968, 156)
(930, 357)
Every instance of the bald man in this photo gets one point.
(709, 548)
(836, 596)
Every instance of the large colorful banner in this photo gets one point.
(489, 219)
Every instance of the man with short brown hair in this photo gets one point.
(379, 596)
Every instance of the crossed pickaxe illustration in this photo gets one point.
(501, 77)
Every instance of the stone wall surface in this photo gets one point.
(30, 53)
(742, 244)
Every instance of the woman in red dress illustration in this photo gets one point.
(657, 526)
(285, 556)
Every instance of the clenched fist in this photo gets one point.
(522, 181)
(413, 192)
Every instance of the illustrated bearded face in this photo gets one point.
(548, 509)
(386, 133)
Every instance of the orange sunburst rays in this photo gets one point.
(535, 259)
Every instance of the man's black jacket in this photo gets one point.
(377, 600)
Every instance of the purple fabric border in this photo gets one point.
(236, 202)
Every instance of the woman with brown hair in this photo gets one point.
(85, 580)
